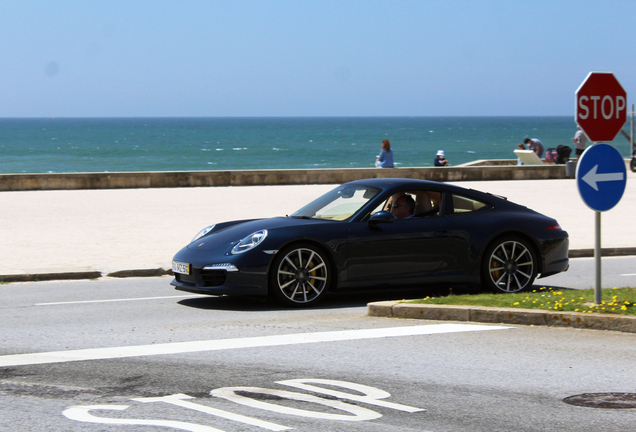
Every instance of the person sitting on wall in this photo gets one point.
(440, 160)
(385, 158)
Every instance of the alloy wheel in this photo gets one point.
(302, 276)
(511, 266)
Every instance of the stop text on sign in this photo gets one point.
(608, 107)
(600, 106)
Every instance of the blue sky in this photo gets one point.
(139, 58)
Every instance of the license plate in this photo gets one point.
(180, 267)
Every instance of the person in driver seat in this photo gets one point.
(403, 207)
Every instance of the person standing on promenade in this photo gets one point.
(580, 141)
(385, 158)
(535, 145)
(440, 160)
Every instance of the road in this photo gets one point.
(616, 272)
(136, 355)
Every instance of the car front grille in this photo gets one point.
(206, 278)
(213, 277)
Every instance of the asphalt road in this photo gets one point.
(135, 355)
(616, 272)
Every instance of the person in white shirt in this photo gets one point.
(580, 141)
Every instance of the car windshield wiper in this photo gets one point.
(300, 217)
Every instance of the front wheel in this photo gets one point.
(632, 164)
(509, 265)
(300, 275)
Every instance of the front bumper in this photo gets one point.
(245, 282)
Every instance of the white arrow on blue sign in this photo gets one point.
(593, 178)
(601, 177)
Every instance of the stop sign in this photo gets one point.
(601, 106)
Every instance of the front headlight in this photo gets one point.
(249, 242)
(203, 232)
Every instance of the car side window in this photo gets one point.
(427, 203)
(463, 204)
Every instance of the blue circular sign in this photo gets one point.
(601, 177)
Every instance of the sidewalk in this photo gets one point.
(107, 231)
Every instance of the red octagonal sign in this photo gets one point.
(601, 106)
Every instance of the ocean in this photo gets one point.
(55, 145)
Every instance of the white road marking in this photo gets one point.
(120, 300)
(237, 343)
(82, 413)
(181, 400)
(356, 413)
(361, 394)
(370, 395)
(629, 274)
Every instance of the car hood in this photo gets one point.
(225, 237)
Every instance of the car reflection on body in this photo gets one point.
(348, 239)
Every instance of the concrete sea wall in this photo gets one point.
(474, 171)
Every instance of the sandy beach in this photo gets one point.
(122, 229)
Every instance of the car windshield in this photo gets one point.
(339, 204)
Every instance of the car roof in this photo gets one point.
(402, 183)
(390, 183)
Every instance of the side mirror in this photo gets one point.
(380, 217)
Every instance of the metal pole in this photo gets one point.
(632, 132)
(597, 258)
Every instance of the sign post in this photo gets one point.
(601, 176)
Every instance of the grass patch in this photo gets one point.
(619, 301)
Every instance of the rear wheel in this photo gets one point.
(300, 275)
(510, 265)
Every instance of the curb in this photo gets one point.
(482, 314)
(36, 277)
(605, 252)
(140, 273)
(50, 276)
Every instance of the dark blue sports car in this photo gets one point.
(376, 234)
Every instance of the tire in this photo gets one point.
(300, 275)
(632, 164)
(509, 266)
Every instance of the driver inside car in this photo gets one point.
(402, 208)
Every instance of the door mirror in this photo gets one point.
(381, 217)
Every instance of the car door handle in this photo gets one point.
(443, 233)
